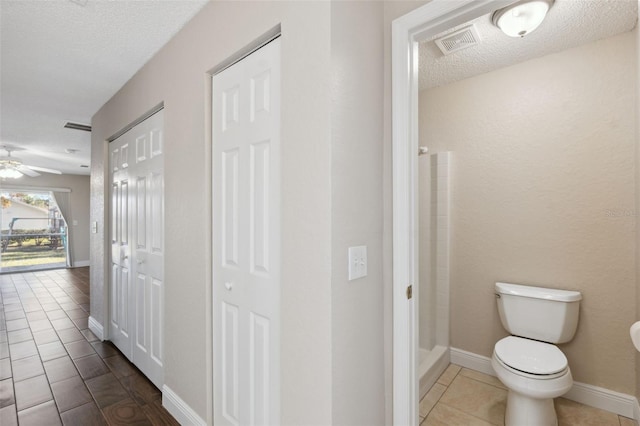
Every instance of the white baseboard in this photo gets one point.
(604, 399)
(473, 361)
(80, 263)
(179, 409)
(96, 328)
(593, 396)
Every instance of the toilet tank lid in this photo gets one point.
(538, 292)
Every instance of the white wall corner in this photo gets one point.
(81, 263)
(179, 409)
(96, 328)
(593, 396)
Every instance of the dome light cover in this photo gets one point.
(521, 18)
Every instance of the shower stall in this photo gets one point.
(433, 304)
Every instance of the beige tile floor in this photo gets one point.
(467, 397)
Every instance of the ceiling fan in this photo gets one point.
(14, 168)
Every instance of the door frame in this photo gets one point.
(407, 31)
(105, 330)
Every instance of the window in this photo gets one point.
(34, 233)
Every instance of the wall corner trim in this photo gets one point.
(593, 396)
(179, 409)
(96, 328)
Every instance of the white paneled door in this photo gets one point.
(137, 246)
(246, 240)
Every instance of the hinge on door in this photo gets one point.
(409, 292)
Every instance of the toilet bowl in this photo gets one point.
(533, 369)
(535, 373)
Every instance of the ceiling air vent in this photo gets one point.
(77, 126)
(458, 40)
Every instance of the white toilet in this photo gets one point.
(528, 363)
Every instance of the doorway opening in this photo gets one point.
(34, 232)
(407, 32)
(482, 208)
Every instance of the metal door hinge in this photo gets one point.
(409, 292)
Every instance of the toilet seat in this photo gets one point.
(531, 358)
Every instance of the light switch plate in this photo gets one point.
(357, 262)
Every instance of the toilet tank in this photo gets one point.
(538, 313)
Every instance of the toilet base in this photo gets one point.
(526, 411)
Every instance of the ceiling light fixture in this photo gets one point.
(522, 17)
(9, 172)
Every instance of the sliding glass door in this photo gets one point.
(34, 234)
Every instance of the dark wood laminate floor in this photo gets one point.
(53, 370)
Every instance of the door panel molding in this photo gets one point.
(246, 243)
(137, 245)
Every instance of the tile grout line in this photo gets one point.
(41, 362)
(422, 419)
(446, 388)
(84, 383)
(619, 420)
(438, 401)
(13, 382)
(56, 331)
(43, 290)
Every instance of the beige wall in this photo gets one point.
(79, 200)
(543, 194)
(332, 330)
(356, 218)
(637, 74)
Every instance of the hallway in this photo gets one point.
(53, 369)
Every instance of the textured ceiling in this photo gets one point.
(569, 23)
(61, 60)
